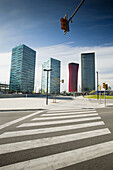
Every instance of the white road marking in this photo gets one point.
(65, 113)
(18, 120)
(64, 159)
(58, 122)
(63, 117)
(49, 130)
(18, 146)
(68, 110)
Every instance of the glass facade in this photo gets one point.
(88, 72)
(54, 76)
(22, 74)
(73, 76)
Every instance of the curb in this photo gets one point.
(21, 110)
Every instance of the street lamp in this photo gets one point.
(47, 84)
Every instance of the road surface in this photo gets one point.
(67, 137)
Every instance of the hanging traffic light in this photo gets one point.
(64, 24)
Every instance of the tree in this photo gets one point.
(23, 91)
(43, 91)
(109, 88)
(64, 92)
(55, 82)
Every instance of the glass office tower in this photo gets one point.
(88, 72)
(73, 76)
(54, 76)
(22, 74)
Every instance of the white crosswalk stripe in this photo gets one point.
(50, 141)
(49, 130)
(70, 110)
(64, 133)
(68, 113)
(64, 117)
(58, 122)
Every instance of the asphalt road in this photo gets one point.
(65, 139)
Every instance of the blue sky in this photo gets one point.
(36, 23)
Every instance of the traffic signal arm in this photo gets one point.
(76, 10)
(65, 21)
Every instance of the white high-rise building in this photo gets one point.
(54, 76)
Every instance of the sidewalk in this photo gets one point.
(97, 104)
(12, 104)
(29, 103)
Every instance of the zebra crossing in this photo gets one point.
(53, 140)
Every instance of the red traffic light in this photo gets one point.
(62, 20)
(63, 24)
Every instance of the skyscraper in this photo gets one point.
(73, 76)
(22, 72)
(88, 72)
(54, 76)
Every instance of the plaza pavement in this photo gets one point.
(40, 103)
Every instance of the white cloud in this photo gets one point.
(66, 54)
(5, 60)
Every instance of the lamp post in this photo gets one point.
(47, 84)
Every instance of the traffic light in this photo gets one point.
(104, 85)
(62, 80)
(64, 24)
(100, 87)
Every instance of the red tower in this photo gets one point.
(73, 76)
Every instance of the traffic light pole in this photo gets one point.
(70, 19)
(105, 97)
(47, 90)
(105, 86)
(100, 97)
(97, 86)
